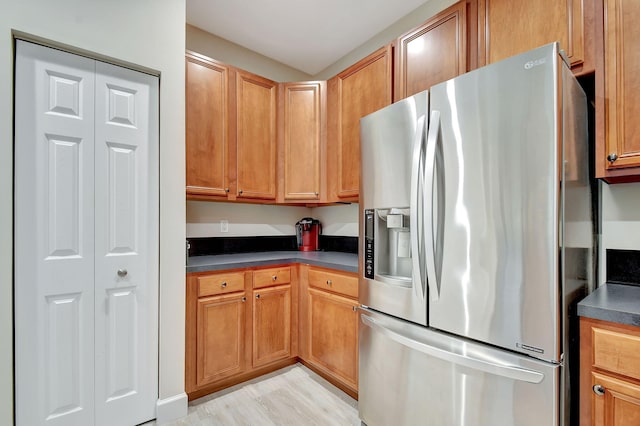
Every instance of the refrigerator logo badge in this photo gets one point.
(535, 63)
(529, 348)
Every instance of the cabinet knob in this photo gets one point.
(122, 273)
(226, 190)
(612, 157)
(275, 277)
(224, 284)
(598, 390)
(240, 192)
(317, 194)
(329, 282)
(257, 296)
(244, 299)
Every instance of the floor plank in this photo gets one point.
(293, 395)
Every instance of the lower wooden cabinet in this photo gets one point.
(239, 324)
(333, 330)
(271, 324)
(221, 342)
(609, 374)
(244, 323)
(619, 404)
(329, 325)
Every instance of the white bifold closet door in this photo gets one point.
(86, 240)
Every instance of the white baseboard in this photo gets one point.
(171, 408)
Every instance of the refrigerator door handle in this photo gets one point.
(509, 371)
(414, 217)
(430, 161)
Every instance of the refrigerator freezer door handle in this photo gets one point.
(509, 371)
(430, 161)
(416, 224)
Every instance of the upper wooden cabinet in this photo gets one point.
(432, 53)
(618, 93)
(301, 128)
(207, 116)
(359, 90)
(255, 116)
(512, 27)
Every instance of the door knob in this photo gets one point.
(122, 273)
(598, 390)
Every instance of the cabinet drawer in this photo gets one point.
(616, 352)
(271, 276)
(209, 285)
(337, 283)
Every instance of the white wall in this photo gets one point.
(203, 219)
(148, 34)
(387, 35)
(620, 220)
(338, 220)
(233, 54)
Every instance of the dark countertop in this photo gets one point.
(613, 302)
(347, 262)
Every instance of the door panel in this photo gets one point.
(496, 272)
(54, 244)
(126, 246)
(86, 240)
(432, 375)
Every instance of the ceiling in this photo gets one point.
(308, 35)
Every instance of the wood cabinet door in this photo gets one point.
(622, 85)
(432, 53)
(333, 328)
(513, 27)
(206, 122)
(271, 324)
(302, 115)
(615, 402)
(255, 136)
(359, 90)
(220, 341)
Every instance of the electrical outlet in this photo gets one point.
(224, 225)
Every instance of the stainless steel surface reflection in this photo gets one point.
(500, 265)
(440, 380)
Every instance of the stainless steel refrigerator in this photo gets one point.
(476, 239)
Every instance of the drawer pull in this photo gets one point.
(275, 277)
(224, 284)
(598, 390)
(329, 282)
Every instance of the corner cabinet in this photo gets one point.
(207, 116)
(331, 326)
(434, 52)
(359, 90)
(609, 373)
(301, 128)
(618, 94)
(255, 127)
(511, 27)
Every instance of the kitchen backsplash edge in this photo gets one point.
(206, 246)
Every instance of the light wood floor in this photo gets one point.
(292, 396)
